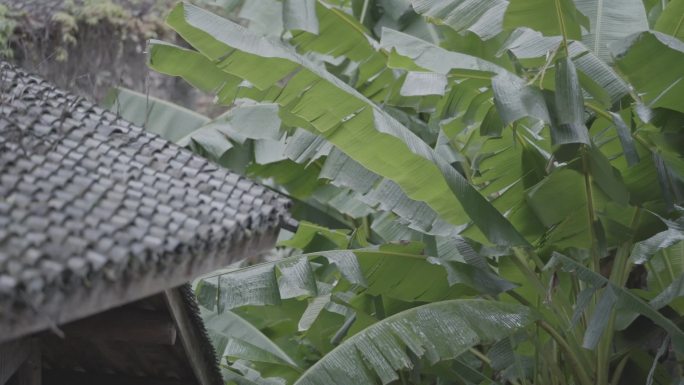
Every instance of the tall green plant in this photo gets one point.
(488, 191)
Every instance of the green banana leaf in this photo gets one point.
(395, 271)
(228, 326)
(628, 299)
(550, 17)
(163, 118)
(611, 21)
(647, 53)
(437, 331)
(325, 105)
(671, 20)
(482, 17)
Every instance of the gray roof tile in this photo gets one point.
(86, 196)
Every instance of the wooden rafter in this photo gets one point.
(202, 365)
(126, 324)
(59, 377)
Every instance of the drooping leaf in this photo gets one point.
(483, 17)
(610, 21)
(253, 121)
(212, 142)
(226, 326)
(300, 15)
(264, 17)
(510, 363)
(239, 349)
(468, 373)
(671, 20)
(515, 99)
(296, 278)
(641, 56)
(388, 196)
(261, 124)
(255, 285)
(665, 269)
(627, 299)
(644, 250)
(197, 70)
(674, 290)
(306, 232)
(599, 319)
(313, 310)
(569, 220)
(165, 119)
(432, 57)
(462, 273)
(436, 332)
(368, 190)
(241, 374)
(607, 177)
(550, 17)
(305, 147)
(394, 271)
(423, 84)
(343, 171)
(529, 45)
(625, 135)
(351, 122)
(219, 135)
(492, 125)
(525, 155)
(340, 36)
(569, 112)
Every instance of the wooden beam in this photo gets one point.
(191, 338)
(12, 355)
(30, 371)
(128, 324)
(61, 377)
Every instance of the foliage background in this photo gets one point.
(488, 190)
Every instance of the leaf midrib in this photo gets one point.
(561, 22)
(597, 27)
(679, 25)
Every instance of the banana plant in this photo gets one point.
(488, 191)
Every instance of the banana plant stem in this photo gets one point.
(578, 369)
(618, 370)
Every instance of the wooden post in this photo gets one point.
(12, 355)
(30, 372)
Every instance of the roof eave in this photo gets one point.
(104, 294)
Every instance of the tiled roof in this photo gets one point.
(88, 200)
